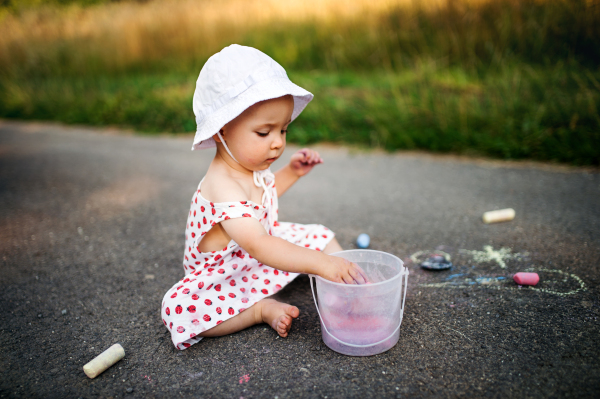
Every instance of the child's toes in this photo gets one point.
(292, 311)
(284, 325)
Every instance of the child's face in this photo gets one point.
(256, 138)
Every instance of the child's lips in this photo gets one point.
(270, 160)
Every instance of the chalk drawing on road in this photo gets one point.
(561, 283)
(489, 254)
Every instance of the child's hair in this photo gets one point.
(231, 81)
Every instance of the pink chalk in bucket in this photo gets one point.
(363, 319)
(526, 278)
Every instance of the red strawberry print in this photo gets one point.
(231, 295)
(276, 272)
(194, 256)
(245, 300)
(174, 295)
(232, 283)
(202, 208)
(221, 271)
(178, 309)
(180, 287)
(209, 287)
(253, 290)
(195, 297)
(219, 322)
(315, 236)
(193, 235)
(219, 310)
(256, 207)
(242, 290)
(243, 202)
(213, 211)
(266, 271)
(192, 224)
(246, 215)
(277, 287)
(206, 317)
(242, 309)
(171, 325)
(195, 322)
(307, 245)
(180, 329)
(217, 257)
(255, 277)
(185, 291)
(267, 281)
(227, 218)
(200, 285)
(230, 311)
(204, 220)
(264, 291)
(221, 297)
(285, 273)
(207, 302)
(211, 204)
(218, 287)
(168, 311)
(191, 309)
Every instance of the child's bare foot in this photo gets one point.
(278, 315)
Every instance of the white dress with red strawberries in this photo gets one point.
(220, 284)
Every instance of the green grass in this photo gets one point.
(513, 79)
(544, 113)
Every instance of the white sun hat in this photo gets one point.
(234, 79)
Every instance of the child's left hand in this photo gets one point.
(304, 160)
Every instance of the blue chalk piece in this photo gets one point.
(363, 241)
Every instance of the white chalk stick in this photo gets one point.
(501, 215)
(104, 361)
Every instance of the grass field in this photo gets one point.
(508, 79)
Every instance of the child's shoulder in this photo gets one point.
(219, 187)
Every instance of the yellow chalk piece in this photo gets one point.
(501, 215)
(104, 361)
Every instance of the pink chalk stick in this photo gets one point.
(526, 278)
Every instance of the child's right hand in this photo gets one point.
(340, 270)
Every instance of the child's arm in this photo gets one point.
(280, 254)
(300, 164)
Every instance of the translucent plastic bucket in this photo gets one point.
(363, 320)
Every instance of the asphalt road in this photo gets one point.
(91, 237)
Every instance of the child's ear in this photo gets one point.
(216, 136)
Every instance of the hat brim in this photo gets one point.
(261, 91)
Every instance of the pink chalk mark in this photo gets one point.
(244, 378)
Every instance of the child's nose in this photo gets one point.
(277, 142)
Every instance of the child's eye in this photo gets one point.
(284, 131)
(261, 134)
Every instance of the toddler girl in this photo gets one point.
(236, 252)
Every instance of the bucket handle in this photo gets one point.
(404, 272)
